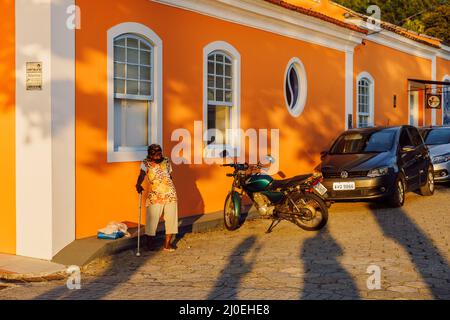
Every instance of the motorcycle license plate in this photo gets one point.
(320, 188)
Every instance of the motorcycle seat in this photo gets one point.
(292, 182)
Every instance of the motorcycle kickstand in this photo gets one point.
(274, 223)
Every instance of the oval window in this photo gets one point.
(295, 87)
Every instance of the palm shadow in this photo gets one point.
(426, 257)
(323, 272)
(227, 285)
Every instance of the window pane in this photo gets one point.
(132, 56)
(219, 69)
(210, 94)
(145, 46)
(145, 58)
(119, 70)
(119, 86)
(219, 95)
(219, 82)
(210, 81)
(132, 87)
(132, 43)
(145, 73)
(228, 83)
(144, 88)
(228, 96)
(136, 123)
(120, 42)
(211, 67)
(219, 58)
(227, 60)
(219, 119)
(119, 54)
(228, 71)
(132, 72)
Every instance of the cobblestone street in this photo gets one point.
(410, 245)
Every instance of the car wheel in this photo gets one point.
(428, 189)
(397, 199)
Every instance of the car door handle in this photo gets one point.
(419, 156)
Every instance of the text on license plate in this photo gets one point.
(320, 188)
(344, 186)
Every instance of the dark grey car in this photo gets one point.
(438, 141)
(382, 162)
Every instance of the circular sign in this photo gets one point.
(434, 101)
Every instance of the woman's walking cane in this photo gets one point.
(138, 253)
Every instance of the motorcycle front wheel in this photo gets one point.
(309, 211)
(230, 216)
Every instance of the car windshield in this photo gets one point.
(364, 142)
(437, 136)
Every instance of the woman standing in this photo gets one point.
(162, 196)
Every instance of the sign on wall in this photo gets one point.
(434, 101)
(34, 76)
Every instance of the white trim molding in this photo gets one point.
(433, 78)
(45, 130)
(275, 19)
(349, 87)
(299, 106)
(446, 78)
(212, 151)
(155, 107)
(368, 76)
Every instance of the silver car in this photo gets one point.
(438, 141)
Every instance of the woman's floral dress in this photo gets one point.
(162, 188)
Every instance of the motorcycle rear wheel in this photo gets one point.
(230, 216)
(310, 212)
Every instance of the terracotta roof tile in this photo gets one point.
(316, 14)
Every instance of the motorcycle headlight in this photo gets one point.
(378, 172)
(441, 159)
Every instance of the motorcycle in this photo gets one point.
(300, 200)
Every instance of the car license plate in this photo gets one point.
(344, 186)
(320, 188)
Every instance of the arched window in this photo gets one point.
(221, 98)
(295, 87)
(135, 94)
(365, 101)
(220, 95)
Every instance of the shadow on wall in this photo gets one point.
(238, 266)
(323, 272)
(426, 257)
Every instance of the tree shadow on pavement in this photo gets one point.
(227, 284)
(428, 261)
(120, 271)
(325, 277)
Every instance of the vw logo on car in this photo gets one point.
(344, 174)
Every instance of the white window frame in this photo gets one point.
(366, 76)
(155, 110)
(215, 150)
(445, 79)
(299, 106)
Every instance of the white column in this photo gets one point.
(45, 148)
(433, 77)
(349, 83)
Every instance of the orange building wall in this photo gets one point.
(7, 128)
(105, 192)
(443, 69)
(391, 70)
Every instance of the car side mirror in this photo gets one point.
(408, 149)
(323, 154)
